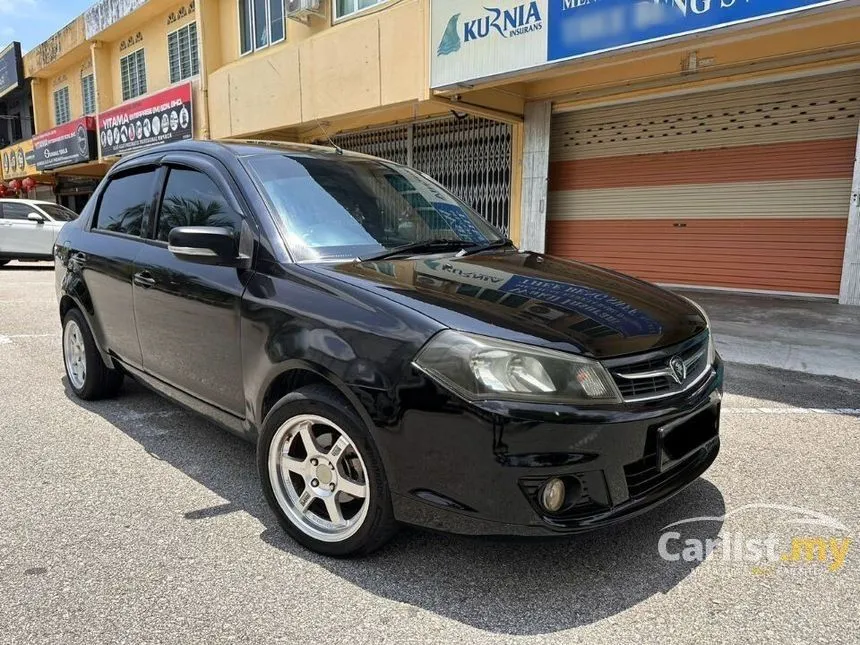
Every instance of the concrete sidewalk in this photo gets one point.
(817, 337)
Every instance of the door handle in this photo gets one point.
(144, 280)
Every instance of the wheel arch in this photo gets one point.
(68, 302)
(295, 374)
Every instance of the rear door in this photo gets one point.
(106, 257)
(188, 315)
(18, 235)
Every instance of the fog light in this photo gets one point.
(552, 495)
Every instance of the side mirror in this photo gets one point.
(36, 217)
(212, 245)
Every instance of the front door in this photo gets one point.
(21, 236)
(188, 314)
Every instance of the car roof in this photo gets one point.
(244, 148)
(29, 202)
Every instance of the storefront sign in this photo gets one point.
(474, 40)
(159, 118)
(67, 144)
(11, 68)
(18, 161)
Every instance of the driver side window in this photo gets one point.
(192, 199)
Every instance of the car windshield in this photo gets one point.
(59, 213)
(346, 207)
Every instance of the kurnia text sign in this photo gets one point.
(474, 39)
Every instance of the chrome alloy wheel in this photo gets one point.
(75, 354)
(319, 478)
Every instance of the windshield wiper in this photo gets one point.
(419, 247)
(495, 244)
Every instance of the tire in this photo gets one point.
(95, 380)
(294, 477)
(3, 262)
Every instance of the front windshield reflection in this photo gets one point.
(347, 207)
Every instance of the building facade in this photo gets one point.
(709, 143)
(688, 142)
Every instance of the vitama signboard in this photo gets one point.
(158, 118)
(474, 40)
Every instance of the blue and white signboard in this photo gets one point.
(474, 39)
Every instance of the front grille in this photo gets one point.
(648, 376)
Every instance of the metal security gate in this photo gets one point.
(739, 188)
(470, 156)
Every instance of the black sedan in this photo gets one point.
(393, 356)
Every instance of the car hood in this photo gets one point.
(532, 298)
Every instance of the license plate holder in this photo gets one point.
(678, 440)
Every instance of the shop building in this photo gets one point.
(351, 72)
(690, 142)
(18, 175)
(355, 73)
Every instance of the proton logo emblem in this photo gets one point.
(677, 369)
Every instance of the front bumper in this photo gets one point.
(477, 468)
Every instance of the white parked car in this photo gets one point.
(28, 228)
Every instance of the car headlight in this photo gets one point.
(479, 367)
(712, 350)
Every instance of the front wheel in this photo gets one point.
(322, 476)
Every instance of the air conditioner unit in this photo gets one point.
(302, 10)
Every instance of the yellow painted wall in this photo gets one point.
(152, 36)
(377, 59)
(39, 60)
(150, 33)
(69, 77)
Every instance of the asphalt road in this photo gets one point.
(133, 521)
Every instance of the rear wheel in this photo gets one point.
(322, 476)
(88, 375)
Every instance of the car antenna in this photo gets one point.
(331, 142)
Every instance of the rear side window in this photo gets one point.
(192, 199)
(124, 203)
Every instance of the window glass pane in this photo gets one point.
(59, 213)
(61, 106)
(195, 58)
(173, 57)
(245, 35)
(261, 26)
(184, 54)
(346, 7)
(133, 72)
(192, 199)
(124, 202)
(88, 93)
(276, 18)
(350, 206)
(16, 211)
(141, 72)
